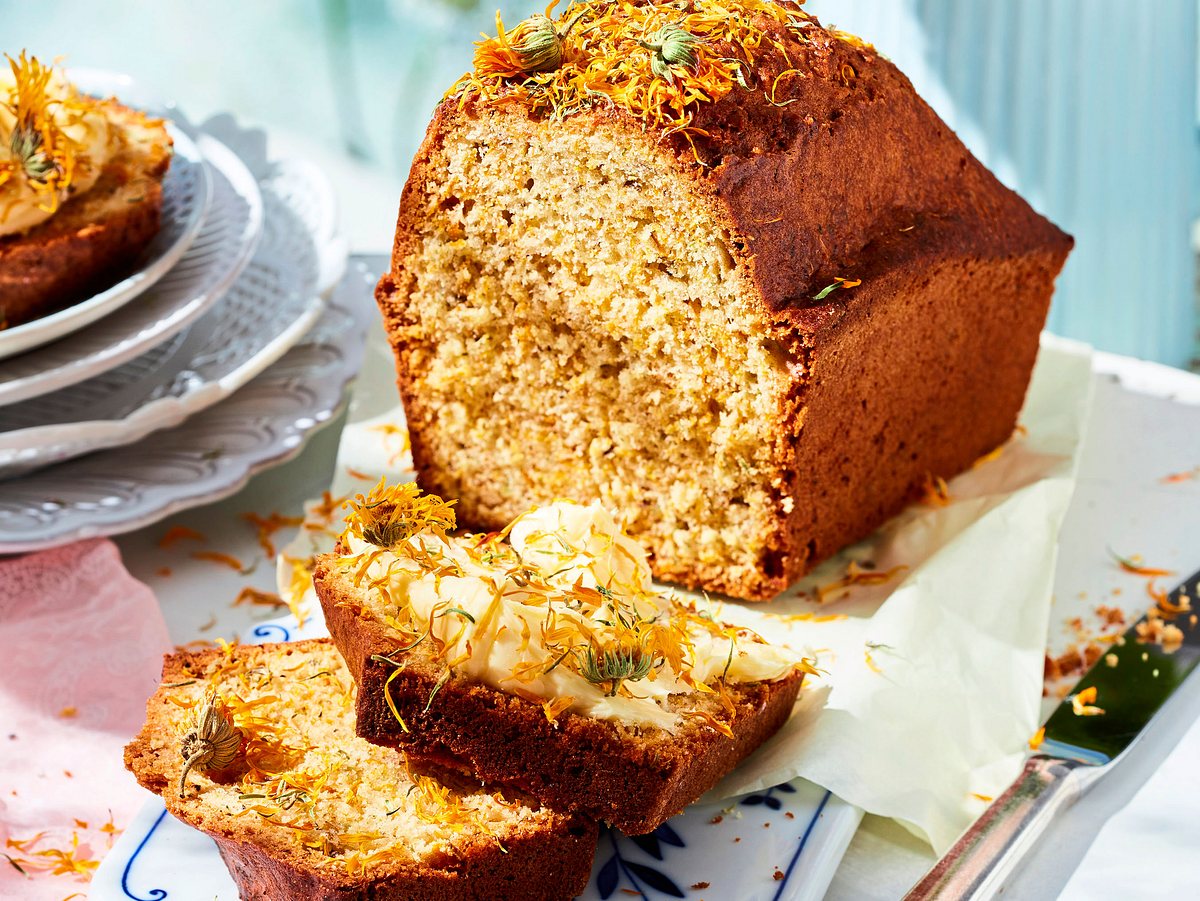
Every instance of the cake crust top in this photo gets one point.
(780, 121)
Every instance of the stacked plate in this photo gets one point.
(235, 338)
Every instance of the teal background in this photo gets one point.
(1087, 107)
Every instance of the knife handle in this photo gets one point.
(977, 865)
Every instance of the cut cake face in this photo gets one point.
(755, 306)
(594, 339)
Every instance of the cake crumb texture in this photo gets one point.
(307, 810)
(756, 329)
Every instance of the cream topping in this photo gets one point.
(80, 125)
(523, 613)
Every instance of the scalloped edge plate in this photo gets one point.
(207, 458)
(139, 336)
(90, 436)
(290, 186)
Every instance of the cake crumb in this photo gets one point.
(1173, 638)
(717, 819)
(790, 815)
(1154, 630)
(700, 886)
(1111, 660)
(778, 875)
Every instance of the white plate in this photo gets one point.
(187, 193)
(270, 307)
(203, 274)
(211, 455)
(782, 843)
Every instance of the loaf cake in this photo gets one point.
(302, 809)
(542, 658)
(80, 190)
(716, 266)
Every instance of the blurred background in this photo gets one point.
(1087, 107)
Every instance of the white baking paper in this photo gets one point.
(931, 681)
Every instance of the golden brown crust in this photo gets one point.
(913, 374)
(540, 867)
(924, 372)
(90, 242)
(538, 864)
(634, 779)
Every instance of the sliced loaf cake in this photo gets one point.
(714, 265)
(542, 658)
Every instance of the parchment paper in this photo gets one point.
(932, 680)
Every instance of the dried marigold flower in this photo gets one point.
(39, 149)
(390, 515)
(535, 45)
(671, 45)
(624, 663)
(211, 744)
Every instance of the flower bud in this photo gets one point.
(537, 45)
(671, 45)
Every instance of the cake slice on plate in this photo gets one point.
(712, 264)
(80, 190)
(255, 746)
(542, 658)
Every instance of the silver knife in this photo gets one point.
(1132, 682)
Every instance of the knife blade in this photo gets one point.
(1132, 681)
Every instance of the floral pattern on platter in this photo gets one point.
(687, 856)
(749, 848)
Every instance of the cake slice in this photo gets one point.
(712, 264)
(80, 190)
(542, 658)
(302, 809)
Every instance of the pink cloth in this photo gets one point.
(81, 644)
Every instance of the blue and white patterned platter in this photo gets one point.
(783, 844)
